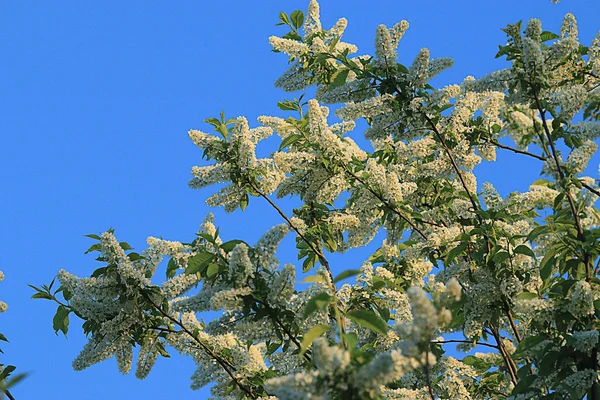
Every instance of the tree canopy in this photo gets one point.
(370, 146)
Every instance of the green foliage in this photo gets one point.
(518, 274)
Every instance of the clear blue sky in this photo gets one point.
(96, 101)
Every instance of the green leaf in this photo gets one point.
(94, 247)
(540, 230)
(230, 245)
(272, 348)
(160, 347)
(313, 279)
(527, 296)
(547, 35)
(67, 294)
(547, 266)
(171, 268)
(317, 302)
(597, 306)
(6, 372)
(527, 344)
(198, 261)
(93, 236)
(479, 364)
(500, 256)
(558, 199)
(368, 319)
(339, 78)
(297, 18)
(134, 256)
(212, 270)
(542, 182)
(244, 201)
(60, 322)
(311, 335)
(522, 249)
(346, 274)
(524, 385)
(548, 363)
(455, 252)
(310, 261)
(207, 237)
(42, 295)
(125, 246)
(376, 257)
(15, 379)
(283, 17)
(351, 340)
(99, 271)
(287, 105)
(289, 139)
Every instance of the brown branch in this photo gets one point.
(428, 375)
(161, 329)
(561, 174)
(453, 162)
(317, 251)
(594, 365)
(334, 311)
(511, 368)
(591, 189)
(512, 324)
(8, 394)
(538, 157)
(285, 329)
(464, 341)
(223, 363)
(398, 213)
(505, 147)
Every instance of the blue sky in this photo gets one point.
(97, 99)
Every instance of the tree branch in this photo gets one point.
(464, 341)
(561, 174)
(538, 157)
(334, 311)
(398, 213)
(223, 363)
(510, 366)
(453, 162)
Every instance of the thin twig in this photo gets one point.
(505, 147)
(561, 174)
(453, 162)
(318, 252)
(224, 363)
(464, 341)
(334, 311)
(398, 213)
(511, 368)
(428, 375)
(285, 329)
(541, 158)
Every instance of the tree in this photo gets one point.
(6, 370)
(516, 276)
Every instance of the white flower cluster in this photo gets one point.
(456, 256)
(3, 305)
(316, 41)
(238, 158)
